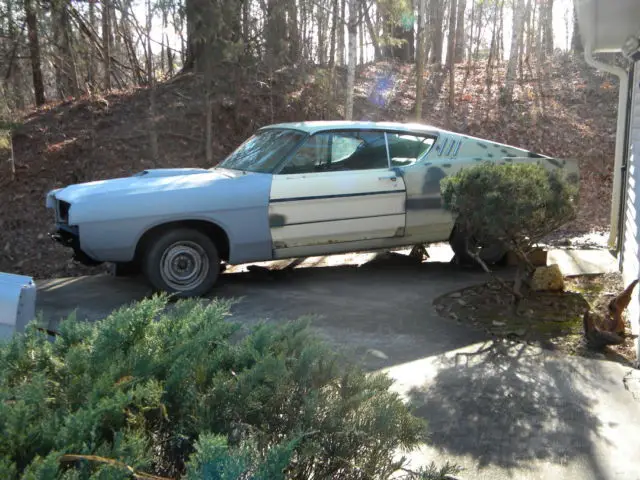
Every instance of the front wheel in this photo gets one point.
(491, 253)
(183, 262)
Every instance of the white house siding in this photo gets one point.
(631, 240)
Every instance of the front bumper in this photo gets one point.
(68, 237)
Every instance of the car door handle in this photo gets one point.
(392, 177)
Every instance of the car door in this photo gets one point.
(337, 187)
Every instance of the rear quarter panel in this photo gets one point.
(427, 220)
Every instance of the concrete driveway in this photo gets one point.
(500, 410)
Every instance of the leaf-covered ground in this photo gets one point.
(551, 320)
(568, 112)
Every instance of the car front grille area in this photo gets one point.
(63, 211)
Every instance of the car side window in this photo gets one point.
(406, 149)
(339, 151)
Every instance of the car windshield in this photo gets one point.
(263, 151)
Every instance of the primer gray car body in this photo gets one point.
(315, 188)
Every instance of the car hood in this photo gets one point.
(152, 180)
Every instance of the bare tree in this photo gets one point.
(352, 28)
(340, 21)
(460, 31)
(516, 41)
(576, 41)
(420, 54)
(153, 134)
(91, 66)
(332, 35)
(372, 32)
(293, 33)
(106, 43)
(436, 21)
(546, 18)
(34, 51)
(451, 53)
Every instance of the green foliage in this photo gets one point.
(515, 203)
(179, 390)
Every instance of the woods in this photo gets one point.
(61, 49)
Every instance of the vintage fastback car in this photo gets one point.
(291, 190)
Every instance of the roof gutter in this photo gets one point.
(623, 76)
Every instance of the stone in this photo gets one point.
(455, 295)
(377, 353)
(518, 332)
(547, 279)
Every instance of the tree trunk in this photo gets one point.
(451, 53)
(501, 34)
(153, 134)
(493, 46)
(479, 32)
(531, 20)
(303, 30)
(420, 52)
(322, 34)
(293, 31)
(139, 75)
(473, 19)
(351, 71)
(459, 52)
(67, 63)
(372, 33)
(576, 40)
(91, 65)
(361, 33)
(34, 51)
(493, 52)
(436, 15)
(106, 44)
(332, 40)
(246, 34)
(547, 7)
(57, 41)
(521, 44)
(516, 40)
(340, 25)
(163, 48)
(14, 69)
(276, 27)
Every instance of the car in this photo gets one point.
(290, 190)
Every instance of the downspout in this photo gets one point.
(623, 76)
(625, 165)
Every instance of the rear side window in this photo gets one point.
(406, 149)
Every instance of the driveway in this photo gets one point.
(500, 410)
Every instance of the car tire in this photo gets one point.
(183, 262)
(491, 254)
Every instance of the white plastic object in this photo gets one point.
(17, 303)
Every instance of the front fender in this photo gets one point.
(110, 231)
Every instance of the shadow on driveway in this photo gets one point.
(380, 313)
(514, 407)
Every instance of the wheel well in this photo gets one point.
(213, 231)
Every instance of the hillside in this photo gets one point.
(571, 114)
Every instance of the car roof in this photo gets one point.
(320, 126)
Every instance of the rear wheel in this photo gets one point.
(183, 262)
(491, 253)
